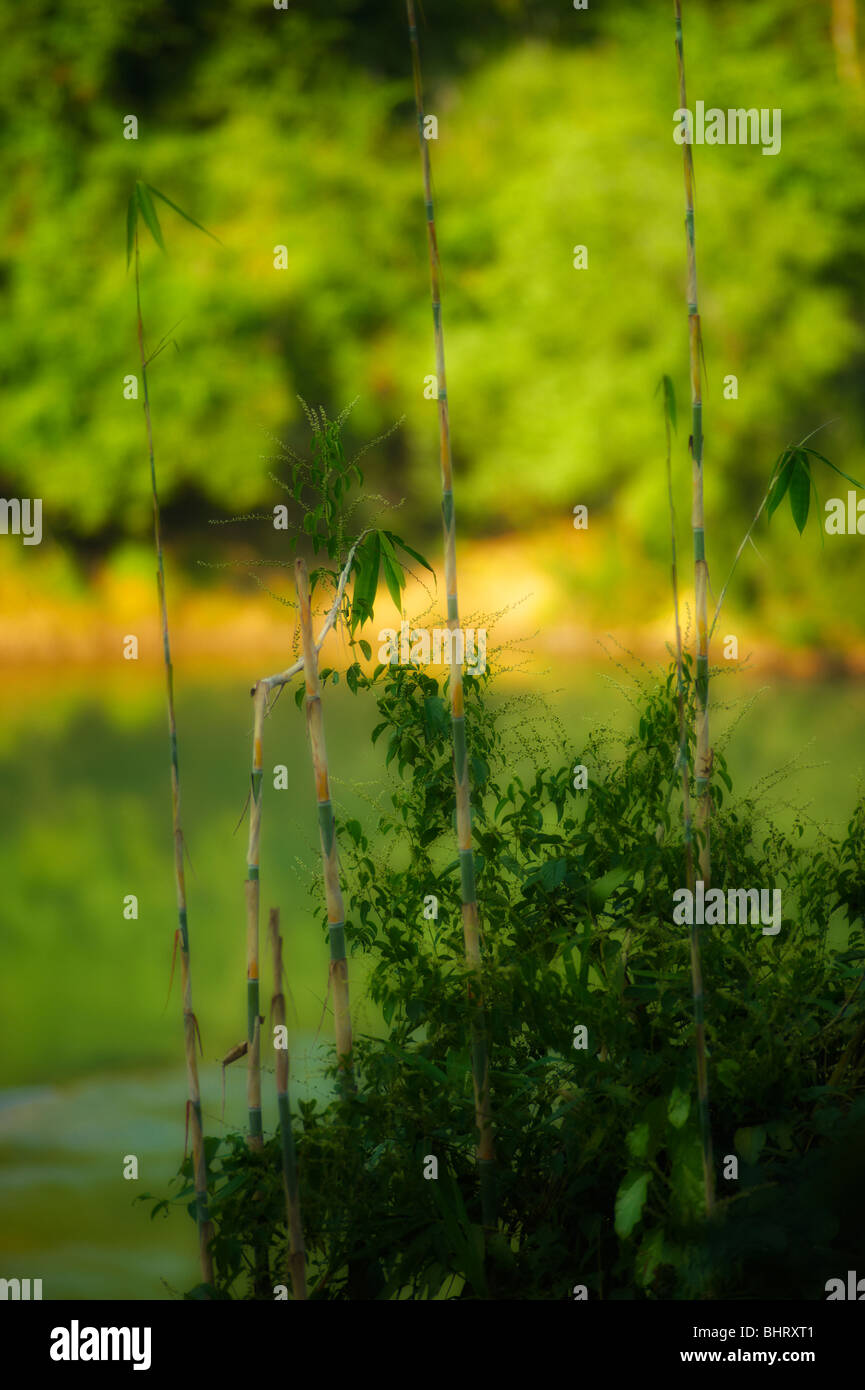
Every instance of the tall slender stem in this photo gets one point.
(296, 1247)
(327, 830)
(253, 1035)
(696, 968)
(471, 933)
(190, 1024)
(701, 572)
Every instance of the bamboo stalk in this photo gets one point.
(190, 1023)
(696, 968)
(471, 934)
(703, 765)
(338, 973)
(253, 1035)
(282, 678)
(296, 1249)
(682, 757)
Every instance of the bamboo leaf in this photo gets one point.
(392, 576)
(669, 399)
(148, 212)
(367, 559)
(800, 491)
(182, 213)
(415, 554)
(839, 471)
(131, 224)
(389, 554)
(782, 482)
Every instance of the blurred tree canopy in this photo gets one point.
(297, 127)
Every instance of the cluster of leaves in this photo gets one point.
(141, 201)
(319, 486)
(598, 1154)
(792, 475)
(320, 514)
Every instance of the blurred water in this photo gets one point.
(67, 1214)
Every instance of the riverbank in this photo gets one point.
(549, 595)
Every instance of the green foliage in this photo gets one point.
(669, 390)
(792, 473)
(319, 511)
(320, 487)
(599, 1171)
(300, 126)
(140, 200)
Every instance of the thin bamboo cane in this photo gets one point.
(327, 830)
(701, 572)
(253, 1035)
(471, 934)
(696, 968)
(282, 678)
(296, 1249)
(190, 1023)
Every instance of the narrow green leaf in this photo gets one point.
(782, 482)
(148, 212)
(397, 540)
(388, 553)
(839, 471)
(669, 399)
(800, 491)
(366, 567)
(182, 213)
(392, 576)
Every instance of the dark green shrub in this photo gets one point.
(598, 1175)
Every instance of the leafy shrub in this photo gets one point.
(598, 1153)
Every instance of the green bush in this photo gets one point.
(598, 1153)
